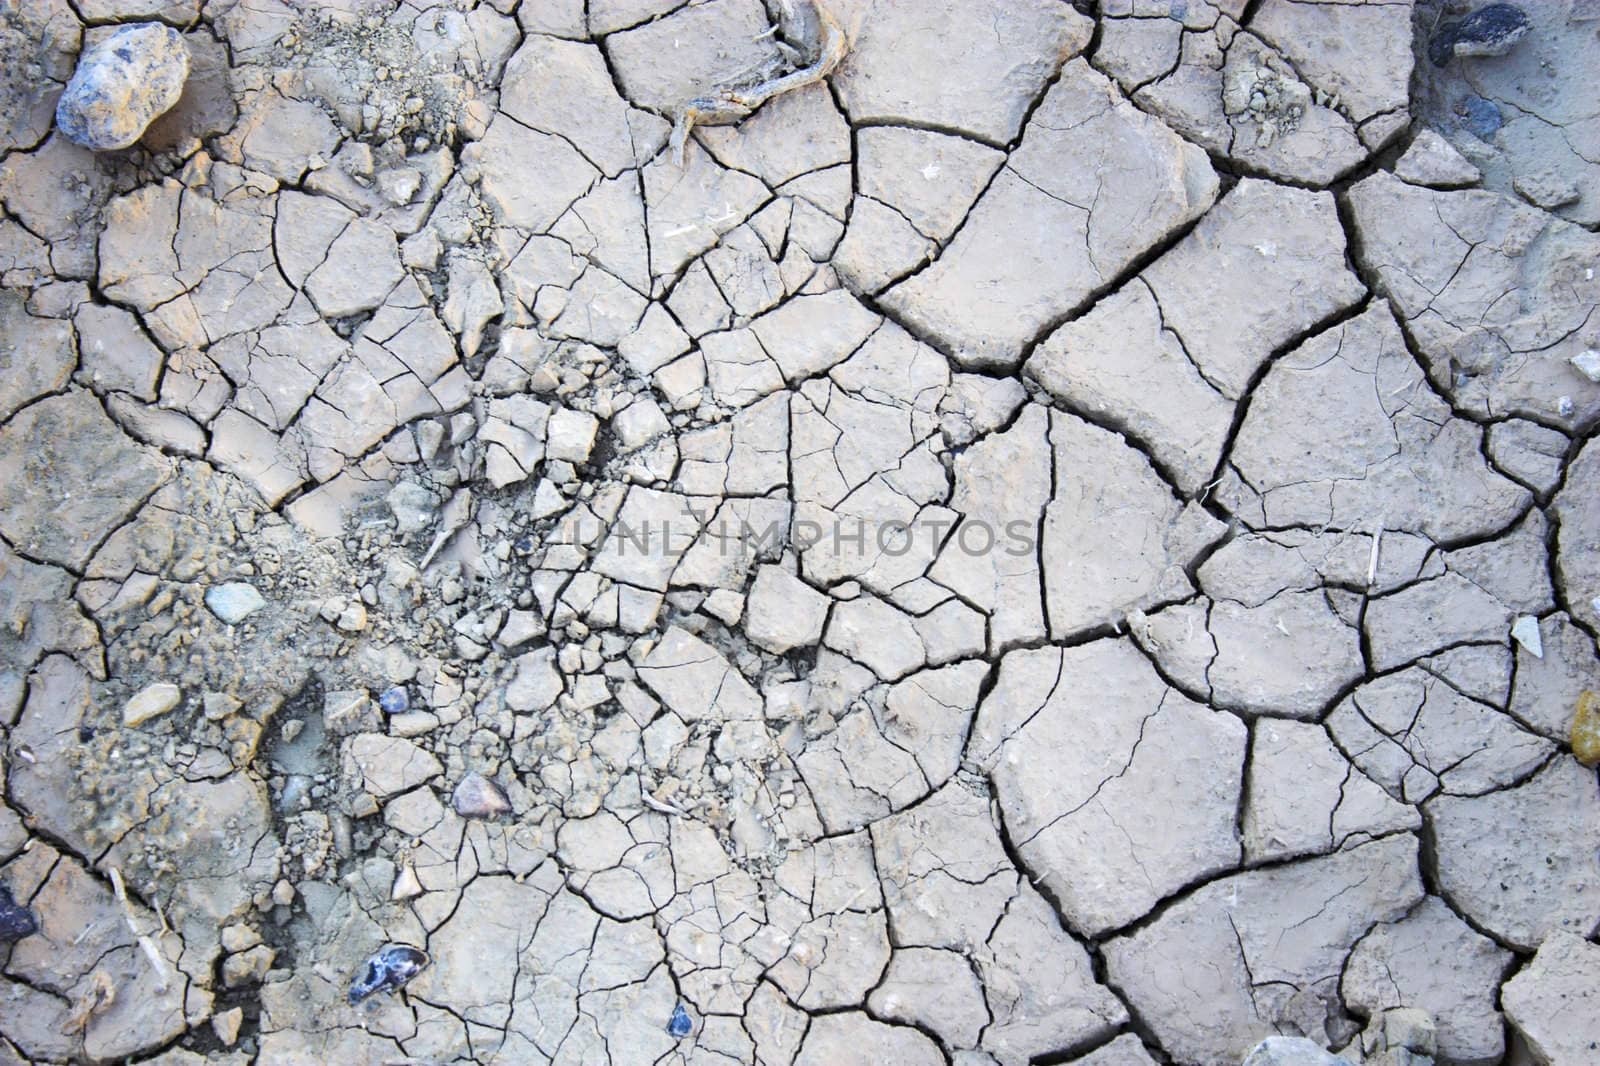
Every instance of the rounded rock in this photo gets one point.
(122, 84)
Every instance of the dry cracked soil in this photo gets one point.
(1073, 537)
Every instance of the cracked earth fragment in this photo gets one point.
(1027, 549)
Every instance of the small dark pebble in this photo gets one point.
(681, 1024)
(1488, 31)
(1480, 117)
(16, 921)
(387, 970)
(395, 700)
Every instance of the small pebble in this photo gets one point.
(406, 885)
(1526, 632)
(226, 1025)
(1480, 117)
(16, 921)
(353, 619)
(234, 602)
(395, 700)
(681, 1024)
(1587, 363)
(153, 701)
(387, 971)
(478, 797)
(1586, 728)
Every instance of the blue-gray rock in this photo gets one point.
(122, 84)
(680, 1024)
(16, 921)
(1481, 117)
(234, 602)
(387, 971)
(394, 700)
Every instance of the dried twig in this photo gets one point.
(146, 945)
(728, 104)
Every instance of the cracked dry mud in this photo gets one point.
(1008, 554)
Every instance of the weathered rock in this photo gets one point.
(1552, 1002)
(122, 83)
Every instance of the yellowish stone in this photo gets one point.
(1586, 728)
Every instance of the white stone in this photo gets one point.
(152, 701)
(1525, 630)
(234, 602)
